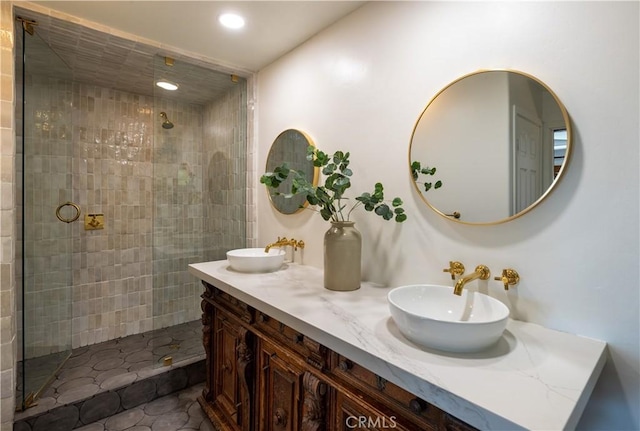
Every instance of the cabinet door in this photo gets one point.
(280, 384)
(232, 372)
(292, 398)
(353, 413)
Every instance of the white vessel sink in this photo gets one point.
(255, 259)
(432, 316)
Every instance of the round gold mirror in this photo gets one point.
(291, 147)
(499, 142)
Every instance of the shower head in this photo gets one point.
(166, 124)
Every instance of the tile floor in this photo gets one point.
(179, 411)
(103, 379)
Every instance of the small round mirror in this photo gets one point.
(499, 142)
(290, 147)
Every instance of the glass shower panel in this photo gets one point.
(199, 188)
(48, 215)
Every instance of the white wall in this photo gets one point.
(360, 86)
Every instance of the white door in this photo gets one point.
(527, 172)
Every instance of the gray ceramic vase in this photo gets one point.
(342, 257)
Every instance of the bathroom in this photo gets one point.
(363, 82)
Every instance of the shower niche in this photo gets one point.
(90, 132)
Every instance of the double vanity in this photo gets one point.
(283, 352)
(286, 353)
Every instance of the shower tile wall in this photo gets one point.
(178, 233)
(225, 157)
(112, 168)
(131, 276)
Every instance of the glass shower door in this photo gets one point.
(48, 214)
(199, 195)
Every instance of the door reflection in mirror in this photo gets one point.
(492, 135)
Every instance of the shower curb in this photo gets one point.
(113, 401)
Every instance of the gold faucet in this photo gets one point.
(481, 272)
(283, 242)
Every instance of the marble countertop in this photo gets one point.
(533, 378)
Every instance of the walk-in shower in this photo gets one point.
(91, 137)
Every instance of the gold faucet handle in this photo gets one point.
(455, 268)
(510, 277)
(299, 244)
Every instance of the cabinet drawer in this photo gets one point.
(228, 303)
(418, 411)
(312, 352)
(355, 413)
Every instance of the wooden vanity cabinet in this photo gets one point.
(265, 376)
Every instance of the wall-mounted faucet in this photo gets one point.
(283, 242)
(481, 272)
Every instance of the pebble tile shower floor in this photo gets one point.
(117, 376)
(176, 412)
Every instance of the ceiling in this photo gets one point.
(177, 28)
(272, 27)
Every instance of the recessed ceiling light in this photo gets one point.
(231, 20)
(167, 85)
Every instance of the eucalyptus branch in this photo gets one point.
(329, 197)
(417, 169)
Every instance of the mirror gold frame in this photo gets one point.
(290, 147)
(450, 135)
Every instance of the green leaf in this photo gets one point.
(313, 200)
(325, 213)
(364, 197)
(321, 158)
(438, 184)
(427, 187)
(384, 211)
(396, 202)
(329, 169)
(415, 169)
(400, 218)
(266, 179)
(342, 181)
